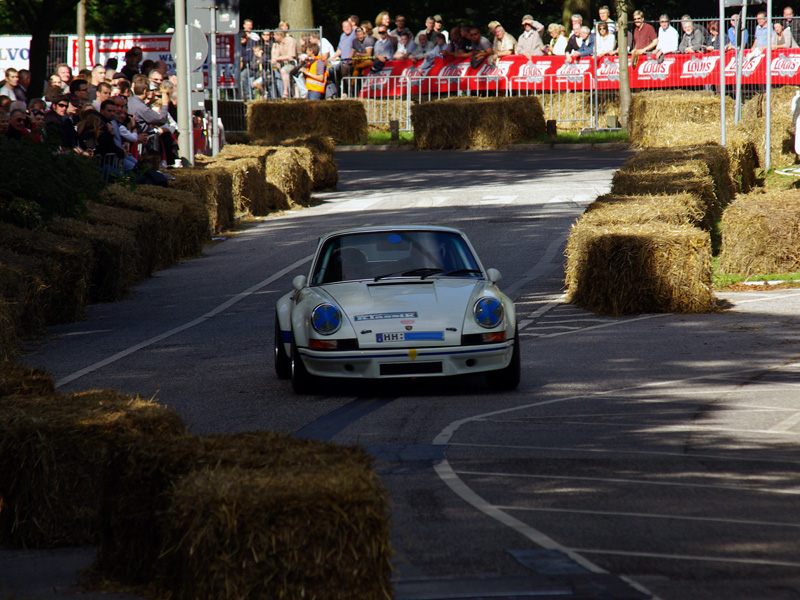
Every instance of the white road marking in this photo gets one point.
(198, 321)
(498, 199)
(438, 200)
(556, 199)
(572, 511)
(694, 557)
(786, 425)
(638, 482)
(355, 205)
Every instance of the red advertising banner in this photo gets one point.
(554, 73)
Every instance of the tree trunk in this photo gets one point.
(572, 7)
(624, 74)
(298, 13)
(40, 46)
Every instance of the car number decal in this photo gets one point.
(409, 336)
(394, 315)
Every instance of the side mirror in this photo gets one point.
(493, 275)
(299, 282)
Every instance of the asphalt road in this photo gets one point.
(644, 456)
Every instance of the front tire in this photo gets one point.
(283, 364)
(303, 382)
(507, 379)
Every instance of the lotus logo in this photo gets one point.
(532, 73)
(699, 68)
(655, 70)
(609, 70)
(785, 66)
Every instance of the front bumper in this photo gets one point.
(408, 362)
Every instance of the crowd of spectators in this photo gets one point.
(275, 64)
(124, 119)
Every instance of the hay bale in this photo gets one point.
(753, 125)
(22, 291)
(380, 111)
(63, 264)
(289, 171)
(761, 234)
(324, 171)
(676, 118)
(18, 380)
(116, 259)
(691, 176)
(215, 186)
(715, 156)
(192, 227)
(639, 268)
(744, 159)
(54, 452)
(138, 532)
(274, 121)
(476, 123)
(240, 533)
(8, 328)
(679, 209)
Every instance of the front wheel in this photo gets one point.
(507, 379)
(283, 364)
(303, 382)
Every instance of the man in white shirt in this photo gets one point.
(668, 39)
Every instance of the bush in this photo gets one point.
(37, 185)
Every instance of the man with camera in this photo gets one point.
(151, 121)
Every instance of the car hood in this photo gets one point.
(414, 308)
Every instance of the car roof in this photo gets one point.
(379, 228)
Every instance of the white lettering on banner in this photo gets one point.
(495, 70)
(652, 69)
(785, 66)
(609, 70)
(572, 72)
(532, 72)
(699, 68)
(749, 64)
(377, 82)
(415, 74)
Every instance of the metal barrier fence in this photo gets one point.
(389, 98)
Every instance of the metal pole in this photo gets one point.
(596, 111)
(81, 30)
(181, 69)
(738, 38)
(768, 99)
(722, 38)
(188, 99)
(214, 107)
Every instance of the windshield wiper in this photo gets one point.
(464, 272)
(423, 273)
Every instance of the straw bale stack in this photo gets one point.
(476, 123)
(116, 258)
(192, 230)
(274, 121)
(753, 123)
(640, 268)
(678, 209)
(54, 452)
(653, 176)
(64, 266)
(8, 326)
(324, 171)
(289, 170)
(17, 380)
(22, 291)
(215, 186)
(761, 234)
(242, 533)
(667, 118)
(147, 528)
(379, 112)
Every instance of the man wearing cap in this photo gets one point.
(530, 42)
(438, 27)
(504, 43)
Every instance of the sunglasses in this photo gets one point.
(62, 105)
(382, 32)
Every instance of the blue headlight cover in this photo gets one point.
(488, 312)
(326, 319)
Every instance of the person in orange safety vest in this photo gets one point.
(316, 72)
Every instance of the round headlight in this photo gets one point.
(326, 319)
(488, 312)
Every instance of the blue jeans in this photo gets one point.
(315, 95)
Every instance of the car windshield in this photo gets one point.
(380, 255)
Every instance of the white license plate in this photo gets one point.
(409, 336)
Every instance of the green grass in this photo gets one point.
(722, 280)
(384, 137)
(575, 137)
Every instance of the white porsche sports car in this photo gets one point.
(388, 302)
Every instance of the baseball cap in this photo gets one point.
(527, 19)
(437, 18)
(493, 25)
